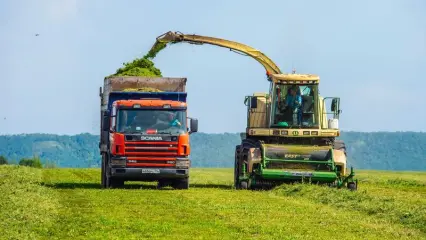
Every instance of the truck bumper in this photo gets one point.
(149, 173)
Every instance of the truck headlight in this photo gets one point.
(182, 163)
(118, 162)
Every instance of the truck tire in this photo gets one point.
(103, 183)
(162, 183)
(181, 183)
(107, 181)
(236, 168)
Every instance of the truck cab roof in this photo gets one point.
(154, 102)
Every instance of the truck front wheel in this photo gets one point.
(106, 179)
(236, 168)
(181, 183)
(103, 172)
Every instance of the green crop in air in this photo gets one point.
(158, 46)
(142, 67)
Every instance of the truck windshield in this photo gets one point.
(151, 121)
(294, 106)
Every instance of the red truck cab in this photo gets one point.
(146, 136)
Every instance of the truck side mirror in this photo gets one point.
(194, 125)
(105, 122)
(253, 102)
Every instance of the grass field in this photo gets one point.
(69, 204)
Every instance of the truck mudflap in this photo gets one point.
(149, 173)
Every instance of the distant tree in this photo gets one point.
(3, 160)
(49, 164)
(31, 162)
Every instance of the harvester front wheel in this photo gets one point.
(352, 186)
(244, 185)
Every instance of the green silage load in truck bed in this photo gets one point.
(143, 89)
(142, 67)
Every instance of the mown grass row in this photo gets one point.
(388, 205)
(27, 210)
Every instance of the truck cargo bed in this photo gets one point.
(123, 84)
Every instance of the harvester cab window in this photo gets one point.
(294, 105)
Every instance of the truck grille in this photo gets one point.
(151, 154)
(297, 166)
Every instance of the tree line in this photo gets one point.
(378, 150)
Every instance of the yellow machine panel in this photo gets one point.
(296, 78)
(258, 117)
(340, 160)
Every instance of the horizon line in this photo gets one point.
(219, 133)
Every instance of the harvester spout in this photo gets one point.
(170, 37)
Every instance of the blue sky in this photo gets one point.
(370, 53)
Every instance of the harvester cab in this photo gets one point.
(295, 103)
(291, 136)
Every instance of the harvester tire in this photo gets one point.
(352, 186)
(244, 185)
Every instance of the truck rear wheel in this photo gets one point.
(181, 183)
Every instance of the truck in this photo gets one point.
(144, 131)
(284, 142)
